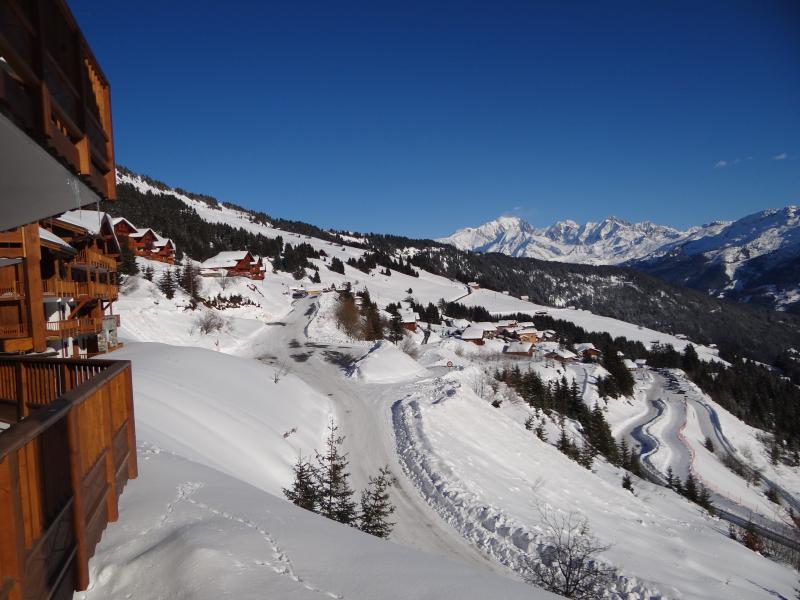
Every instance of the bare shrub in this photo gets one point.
(208, 322)
(568, 563)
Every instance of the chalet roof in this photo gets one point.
(561, 353)
(519, 347)
(629, 364)
(460, 323)
(118, 220)
(583, 347)
(472, 333)
(142, 232)
(91, 221)
(408, 316)
(485, 325)
(225, 260)
(49, 236)
(506, 323)
(525, 324)
(527, 331)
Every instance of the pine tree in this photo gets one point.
(190, 280)
(376, 508)
(127, 261)
(395, 328)
(331, 480)
(670, 477)
(166, 284)
(148, 273)
(315, 277)
(627, 482)
(303, 492)
(690, 488)
(373, 328)
(299, 273)
(337, 266)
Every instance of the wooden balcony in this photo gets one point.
(59, 287)
(63, 464)
(12, 291)
(92, 258)
(103, 291)
(62, 329)
(17, 330)
(55, 90)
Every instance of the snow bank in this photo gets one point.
(385, 363)
(225, 412)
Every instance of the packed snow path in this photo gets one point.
(658, 435)
(363, 414)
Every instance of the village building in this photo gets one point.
(233, 263)
(489, 328)
(505, 325)
(519, 349)
(408, 319)
(474, 334)
(144, 242)
(474, 285)
(561, 355)
(67, 441)
(528, 334)
(587, 351)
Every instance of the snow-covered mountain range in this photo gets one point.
(752, 259)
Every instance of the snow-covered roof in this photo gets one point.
(223, 260)
(519, 347)
(562, 353)
(525, 324)
(90, 220)
(118, 220)
(629, 364)
(408, 316)
(485, 325)
(472, 333)
(527, 331)
(51, 237)
(506, 323)
(583, 347)
(460, 323)
(141, 232)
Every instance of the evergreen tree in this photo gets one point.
(373, 328)
(148, 273)
(337, 266)
(190, 280)
(690, 488)
(395, 328)
(670, 477)
(303, 491)
(127, 261)
(376, 508)
(299, 273)
(315, 277)
(627, 482)
(331, 480)
(166, 284)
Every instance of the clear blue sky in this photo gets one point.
(422, 117)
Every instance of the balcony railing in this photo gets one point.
(55, 90)
(12, 291)
(90, 257)
(63, 466)
(59, 287)
(62, 329)
(106, 291)
(17, 330)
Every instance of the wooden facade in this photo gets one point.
(55, 91)
(60, 282)
(144, 242)
(63, 464)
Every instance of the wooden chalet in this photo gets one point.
(236, 263)
(587, 351)
(528, 334)
(519, 349)
(68, 444)
(145, 242)
(562, 356)
(408, 319)
(476, 335)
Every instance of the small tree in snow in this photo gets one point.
(335, 493)
(303, 491)
(166, 284)
(148, 273)
(568, 561)
(376, 508)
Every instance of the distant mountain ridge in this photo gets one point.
(753, 259)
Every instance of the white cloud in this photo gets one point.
(721, 164)
(781, 156)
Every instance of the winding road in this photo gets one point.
(363, 414)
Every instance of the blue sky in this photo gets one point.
(421, 117)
